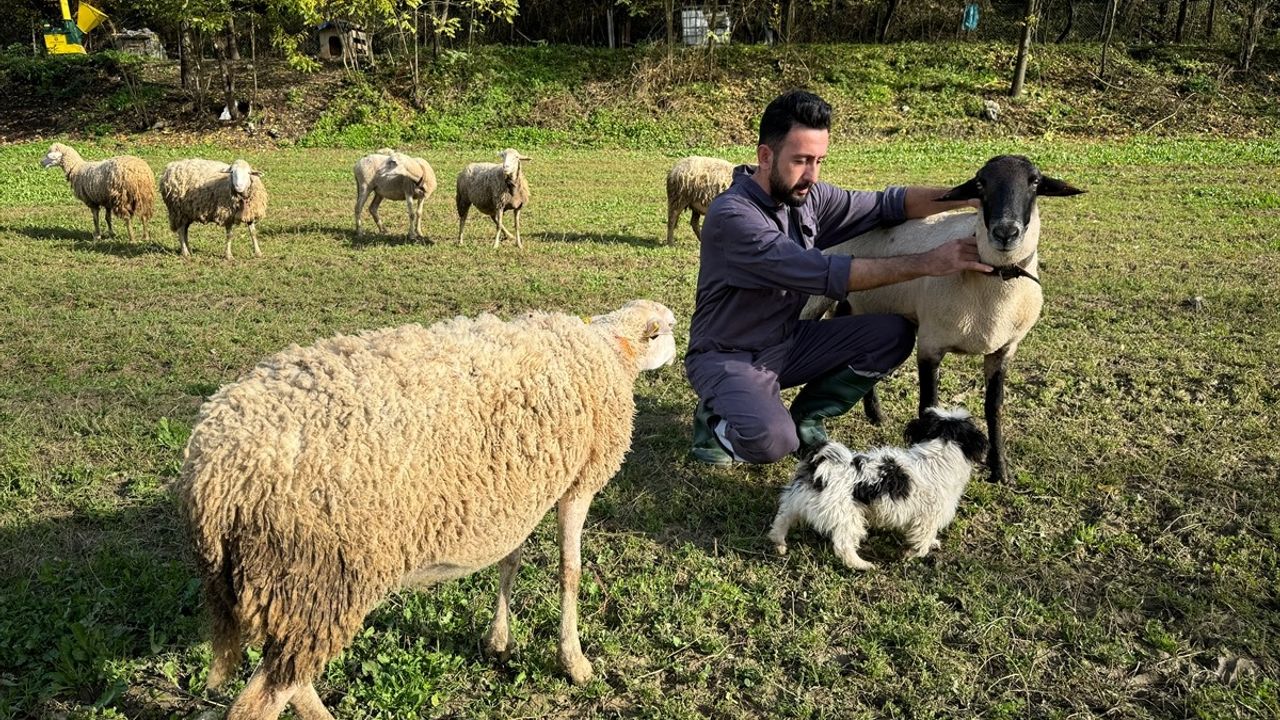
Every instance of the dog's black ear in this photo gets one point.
(810, 459)
(858, 461)
(922, 428)
(972, 441)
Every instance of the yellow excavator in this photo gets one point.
(65, 38)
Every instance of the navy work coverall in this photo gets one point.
(760, 261)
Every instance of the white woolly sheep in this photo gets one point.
(967, 313)
(390, 175)
(209, 191)
(693, 183)
(494, 188)
(124, 185)
(330, 475)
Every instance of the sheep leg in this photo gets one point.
(871, 406)
(307, 706)
(111, 231)
(673, 219)
(463, 208)
(413, 217)
(993, 366)
(498, 641)
(502, 230)
(373, 210)
(253, 234)
(571, 514)
(516, 214)
(97, 226)
(362, 195)
(183, 247)
(927, 367)
(128, 226)
(227, 254)
(261, 699)
(695, 222)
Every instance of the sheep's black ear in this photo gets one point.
(1056, 188)
(966, 191)
(256, 172)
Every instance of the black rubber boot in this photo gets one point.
(706, 446)
(829, 396)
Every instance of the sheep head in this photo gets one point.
(643, 331)
(57, 152)
(403, 166)
(511, 159)
(1007, 186)
(241, 177)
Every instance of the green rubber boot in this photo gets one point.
(829, 396)
(706, 447)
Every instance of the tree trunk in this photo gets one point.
(791, 21)
(233, 49)
(1183, 6)
(1249, 34)
(1024, 50)
(891, 9)
(608, 16)
(1213, 14)
(228, 80)
(671, 27)
(1071, 19)
(1108, 27)
(184, 55)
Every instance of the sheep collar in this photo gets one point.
(1014, 271)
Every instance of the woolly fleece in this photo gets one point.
(693, 182)
(331, 474)
(124, 185)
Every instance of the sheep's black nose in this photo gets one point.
(1005, 233)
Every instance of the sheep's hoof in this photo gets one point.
(499, 651)
(579, 670)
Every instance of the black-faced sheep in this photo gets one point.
(390, 175)
(494, 188)
(208, 191)
(967, 313)
(124, 185)
(332, 474)
(693, 183)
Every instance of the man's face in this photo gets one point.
(794, 168)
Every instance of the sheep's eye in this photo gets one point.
(980, 185)
(1035, 181)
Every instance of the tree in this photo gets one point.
(1024, 49)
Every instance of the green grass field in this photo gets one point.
(1128, 570)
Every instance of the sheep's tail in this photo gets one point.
(132, 192)
(220, 597)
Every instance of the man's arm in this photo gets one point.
(946, 259)
(921, 201)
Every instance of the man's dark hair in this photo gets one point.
(797, 107)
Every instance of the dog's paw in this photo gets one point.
(780, 548)
(857, 563)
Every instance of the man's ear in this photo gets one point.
(764, 156)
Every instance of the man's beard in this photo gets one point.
(784, 194)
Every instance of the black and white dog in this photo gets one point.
(915, 490)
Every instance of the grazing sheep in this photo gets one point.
(208, 191)
(693, 183)
(330, 475)
(967, 313)
(124, 185)
(391, 175)
(494, 188)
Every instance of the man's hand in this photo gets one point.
(952, 257)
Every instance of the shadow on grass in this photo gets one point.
(119, 245)
(84, 592)
(601, 237)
